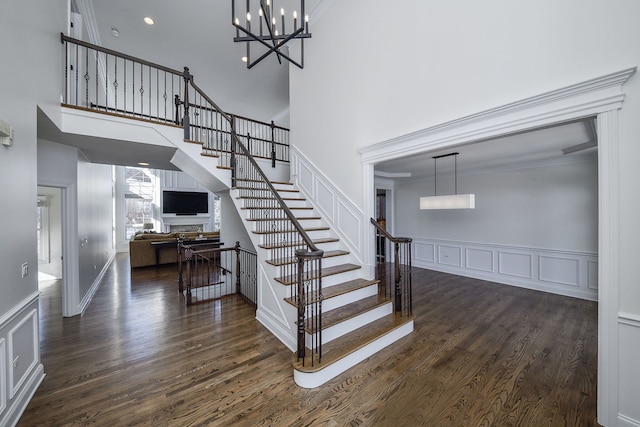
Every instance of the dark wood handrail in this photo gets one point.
(285, 208)
(386, 234)
(64, 38)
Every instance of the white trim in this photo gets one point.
(15, 310)
(569, 103)
(555, 271)
(3, 377)
(601, 96)
(96, 284)
(608, 267)
(629, 319)
(624, 421)
(13, 385)
(336, 209)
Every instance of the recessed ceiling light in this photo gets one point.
(148, 20)
(244, 59)
(143, 163)
(115, 32)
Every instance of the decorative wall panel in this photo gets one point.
(479, 259)
(561, 272)
(564, 271)
(23, 351)
(515, 264)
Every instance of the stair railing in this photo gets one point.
(290, 247)
(397, 282)
(103, 80)
(213, 273)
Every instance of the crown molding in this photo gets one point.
(580, 100)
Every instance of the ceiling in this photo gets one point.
(199, 34)
(556, 144)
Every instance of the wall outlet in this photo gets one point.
(25, 269)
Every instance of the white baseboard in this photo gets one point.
(94, 287)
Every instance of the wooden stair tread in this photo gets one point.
(343, 346)
(336, 290)
(291, 230)
(290, 260)
(298, 243)
(300, 218)
(284, 190)
(346, 312)
(210, 155)
(259, 180)
(271, 207)
(297, 199)
(326, 271)
(192, 141)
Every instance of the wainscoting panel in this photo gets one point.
(629, 332)
(345, 218)
(562, 272)
(23, 350)
(592, 274)
(20, 369)
(479, 259)
(424, 251)
(3, 377)
(515, 264)
(305, 178)
(326, 201)
(450, 255)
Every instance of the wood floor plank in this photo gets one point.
(481, 354)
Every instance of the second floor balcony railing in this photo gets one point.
(103, 80)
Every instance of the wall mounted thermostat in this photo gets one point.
(6, 133)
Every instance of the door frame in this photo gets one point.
(600, 97)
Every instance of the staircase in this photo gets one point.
(356, 320)
(313, 294)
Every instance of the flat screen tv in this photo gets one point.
(185, 202)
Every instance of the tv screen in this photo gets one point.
(184, 202)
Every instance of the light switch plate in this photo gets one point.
(25, 269)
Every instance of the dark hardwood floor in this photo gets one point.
(482, 354)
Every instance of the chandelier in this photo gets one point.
(271, 31)
(449, 201)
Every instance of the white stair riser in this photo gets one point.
(349, 325)
(316, 379)
(313, 234)
(298, 213)
(349, 297)
(276, 253)
(336, 279)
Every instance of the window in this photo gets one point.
(141, 186)
(42, 227)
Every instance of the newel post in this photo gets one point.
(273, 144)
(185, 119)
(238, 286)
(397, 278)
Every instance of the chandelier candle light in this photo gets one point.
(271, 35)
(452, 201)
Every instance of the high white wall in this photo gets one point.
(95, 222)
(374, 71)
(30, 75)
(552, 207)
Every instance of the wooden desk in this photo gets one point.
(192, 242)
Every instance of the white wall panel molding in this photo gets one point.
(629, 319)
(3, 376)
(23, 350)
(12, 314)
(345, 218)
(556, 271)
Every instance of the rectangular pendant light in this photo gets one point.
(452, 201)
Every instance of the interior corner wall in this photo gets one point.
(550, 207)
(30, 76)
